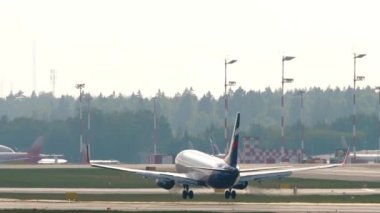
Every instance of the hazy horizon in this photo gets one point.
(146, 45)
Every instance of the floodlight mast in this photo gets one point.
(301, 92)
(155, 125)
(283, 81)
(89, 134)
(230, 83)
(81, 145)
(356, 78)
(378, 118)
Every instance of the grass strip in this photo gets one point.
(103, 178)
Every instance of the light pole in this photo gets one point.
(283, 81)
(301, 92)
(231, 83)
(356, 78)
(154, 126)
(89, 134)
(80, 87)
(378, 119)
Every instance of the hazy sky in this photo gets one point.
(126, 46)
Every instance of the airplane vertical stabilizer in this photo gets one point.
(232, 155)
(35, 151)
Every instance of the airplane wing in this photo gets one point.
(279, 173)
(262, 169)
(179, 178)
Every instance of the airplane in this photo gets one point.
(361, 155)
(190, 144)
(198, 169)
(8, 155)
(52, 159)
(111, 161)
(33, 156)
(215, 149)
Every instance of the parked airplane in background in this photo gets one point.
(215, 149)
(111, 161)
(195, 168)
(8, 155)
(33, 156)
(190, 144)
(52, 159)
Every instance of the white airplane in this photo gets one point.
(195, 168)
(215, 150)
(8, 155)
(111, 161)
(32, 156)
(52, 159)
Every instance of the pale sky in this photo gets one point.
(126, 46)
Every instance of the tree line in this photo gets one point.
(122, 126)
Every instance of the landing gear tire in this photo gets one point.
(230, 193)
(227, 194)
(233, 194)
(184, 194)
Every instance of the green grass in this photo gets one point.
(103, 178)
(72, 178)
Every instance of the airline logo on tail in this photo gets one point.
(232, 155)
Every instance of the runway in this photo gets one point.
(188, 206)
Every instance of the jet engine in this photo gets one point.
(166, 184)
(241, 185)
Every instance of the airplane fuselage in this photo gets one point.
(207, 169)
(18, 157)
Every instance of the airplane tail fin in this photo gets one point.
(232, 155)
(34, 153)
(213, 151)
(344, 162)
(190, 144)
(214, 148)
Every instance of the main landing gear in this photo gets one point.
(230, 193)
(187, 193)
